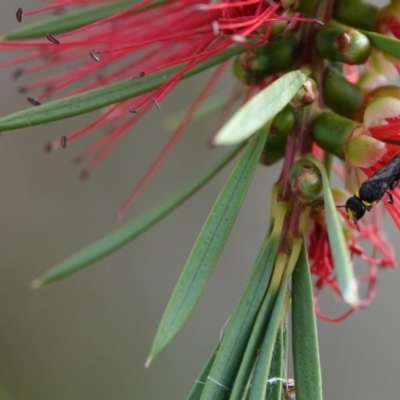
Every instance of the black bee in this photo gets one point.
(373, 189)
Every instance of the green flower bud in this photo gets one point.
(332, 132)
(364, 151)
(305, 180)
(275, 145)
(308, 7)
(340, 95)
(252, 67)
(306, 95)
(378, 93)
(370, 80)
(338, 43)
(289, 3)
(278, 27)
(383, 91)
(283, 122)
(356, 13)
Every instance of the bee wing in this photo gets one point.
(389, 173)
(384, 178)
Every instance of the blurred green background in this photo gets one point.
(87, 337)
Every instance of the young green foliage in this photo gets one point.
(260, 109)
(307, 369)
(208, 246)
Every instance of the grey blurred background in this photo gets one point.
(88, 336)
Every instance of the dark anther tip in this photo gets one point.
(52, 39)
(17, 73)
(94, 55)
(19, 14)
(48, 147)
(33, 101)
(139, 75)
(156, 103)
(84, 175)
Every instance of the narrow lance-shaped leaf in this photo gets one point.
(198, 387)
(387, 44)
(278, 364)
(238, 332)
(246, 370)
(260, 109)
(208, 246)
(239, 327)
(124, 235)
(257, 335)
(106, 95)
(260, 380)
(340, 252)
(307, 369)
(283, 270)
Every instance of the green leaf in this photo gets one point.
(249, 358)
(234, 350)
(282, 272)
(106, 95)
(340, 251)
(261, 372)
(127, 233)
(260, 109)
(278, 364)
(208, 246)
(307, 369)
(73, 20)
(240, 325)
(237, 343)
(387, 44)
(198, 387)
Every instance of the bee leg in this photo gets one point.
(390, 201)
(393, 185)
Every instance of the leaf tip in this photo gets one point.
(350, 293)
(148, 362)
(223, 139)
(36, 284)
(218, 141)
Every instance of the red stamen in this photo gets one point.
(162, 156)
(208, 7)
(113, 17)
(61, 4)
(382, 255)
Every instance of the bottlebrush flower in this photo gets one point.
(126, 60)
(376, 146)
(365, 147)
(369, 239)
(139, 40)
(310, 89)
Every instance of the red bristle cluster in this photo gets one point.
(131, 44)
(322, 266)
